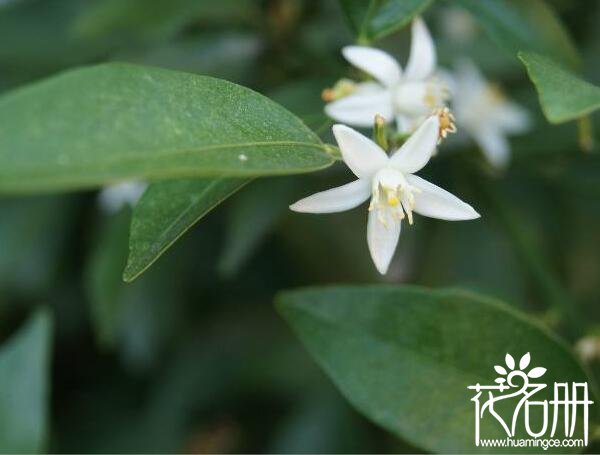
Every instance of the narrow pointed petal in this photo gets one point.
(468, 78)
(436, 202)
(418, 98)
(422, 59)
(382, 239)
(338, 199)
(511, 118)
(360, 109)
(363, 156)
(494, 145)
(375, 62)
(417, 150)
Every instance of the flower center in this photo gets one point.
(392, 196)
(416, 98)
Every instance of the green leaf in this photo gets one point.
(29, 260)
(375, 19)
(158, 19)
(563, 95)
(404, 356)
(166, 211)
(110, 122)
(516, 25)
(24, 377)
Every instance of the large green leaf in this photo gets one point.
(516, 25)
(111, 122)
(166, 211)
(375, 19)
(404, 356)
(563, 95)
(24, 376)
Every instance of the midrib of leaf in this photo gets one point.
(176, 152)
(129, 278)
(173, 172)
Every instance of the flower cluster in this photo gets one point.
(416, 101)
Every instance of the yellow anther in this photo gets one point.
(446, 122)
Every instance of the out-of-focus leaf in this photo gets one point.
(459, 255)
(374, 19)
(33, 234)
(252, 215)
(404, 356)
(166, 211)
(516, 25)
(24, 378)
(36, 37)
(159, 19)
(563, 95)
(320, 424)
(515, 217)
(231, 56)
(136, 320)
(104, 273)
(112, 122)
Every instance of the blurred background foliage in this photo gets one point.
(192, 357)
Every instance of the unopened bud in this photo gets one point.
(380, 132)
(342, 88)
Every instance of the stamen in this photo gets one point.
(446, 123)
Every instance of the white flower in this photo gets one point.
(405, 97)
(394, 189)
(112, 198)
(485, 114)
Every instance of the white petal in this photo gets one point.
(338, 199)
(363, 156)
(382, 239)
(468, 78)
(436, 202)
(112, 198)
(404, 124)
(416, 98)
(421, 62)
(494, 145)
(417, 150)
(379, 64)
(511, 118)
(360, 109)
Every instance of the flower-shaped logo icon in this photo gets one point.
(509, 371)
